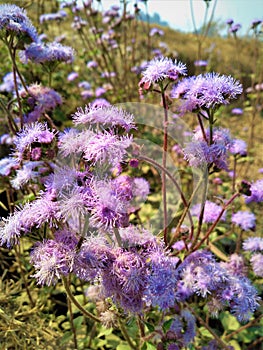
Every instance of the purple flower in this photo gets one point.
(110, 116)
(253, 244)
(256, 192)
(40, 99)
(200, 63)
(206, 91)
(257, 264)
(211, 212)
(255, 23)
(238, 147)
(14, 20)
(156, 31)
(235, 265)
(244, 219)
(25, 174)
(72, 76)
(9, 84)
(100, 91)
(235, 27)
(159, 69)
(35, 132)
(58, 16)
(229, 21)
(161, 281)
(100, 103)
(51, 52)
(237, 111)
(7, 165)
(53, 258)
(92, 64)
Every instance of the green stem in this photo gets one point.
(126, 335)
(76, 303)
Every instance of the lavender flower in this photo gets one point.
(238, 147)
(256, 192)
(235, 265)
(51, 52)
(14, 21)
(7, 165)
(211, 212)
(200, 63)
(253, 244)
(40, 99)
(235, 27)
(8, 84)
(159, 69)
(237, 111)
(72, 76)
(206, 91)
(25, 174)
(53, 258)
(111, 116)
(244, 219)
(35, 132)
(257, 264)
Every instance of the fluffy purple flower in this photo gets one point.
(40, 99)
(35, 132)
(235, 265)
(211, 212)
(51, 52)
(57, 16)
(237, 111)
(156, 31)
(256, 192)
(92, 64)
(100, 91)
(159, 69)
(72, 76)
(235, 27)
(161, 281)
(108, 116)
(257, 264)
(100, 103)
(244, 219)
(206, 91)
(14, 20)
(53, 258)
(238, 147)
(200, 63)
(9, 84)
(7, 165)
(28, 172)
(253, 244)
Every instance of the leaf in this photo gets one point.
(104, 331)
(78, 322)
(149, 326)
(123, 346)
(3, 206)
(229, 322)
(235, 344)
(167, 325)
(205, 333)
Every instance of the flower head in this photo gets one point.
(211, 212)
(245, 219)
(159, 69)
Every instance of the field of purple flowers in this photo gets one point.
(131, 184)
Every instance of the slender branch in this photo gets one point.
(126, 335)
(76, 303)
(203, 323)
(72, 325)
(242, 328)
(216, 221)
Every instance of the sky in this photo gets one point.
(178, 14)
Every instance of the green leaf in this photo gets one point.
(104, 331)
(123, 346)
(149, 326)
(78, 322)
(235, 344)
(229, 322)
(167, 325)
(3, 206)
(205, 333)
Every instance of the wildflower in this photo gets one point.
(257, 264)
(14, 21)
(72, 76)
(244, 219)
(7, 165)
(159, 69)
(235, 27)
(206, 91)
(35, 132)
(253, 244)
(238, 147)
(8, 84)
(92, 64)
(237, 111)
(100, 102)
(200, 63)
(156, 31)
(256, 190)
(235, 265)
(51, 52)
(58, 16)
(25, 174)
(161, 281)
(211, 212)
(53, 258)
(111, 116)
(40, 99)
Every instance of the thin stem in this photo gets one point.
(156, 164)
(126, 335)
(203, 323)
(202, 127)
(117, 236)
(72, 324)
(216, 221)
(76, 303)
(242, 328)
(234, 174)
(12, 125)
(164, 160)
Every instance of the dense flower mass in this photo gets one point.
(211, 211)
(51, 52)
(159, 69)
(256, 192)
(244, 219)
(14, 20)
(206, 91)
